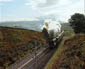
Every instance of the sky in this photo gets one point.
(23, 10)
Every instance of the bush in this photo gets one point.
(77, 21)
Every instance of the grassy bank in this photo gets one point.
(51, 62)
(15, 43)
(70, 54)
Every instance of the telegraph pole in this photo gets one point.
(35, 44)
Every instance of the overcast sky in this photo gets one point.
(16, 10)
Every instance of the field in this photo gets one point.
(70, 54)
(15, 43)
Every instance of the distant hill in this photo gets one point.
(33, 25)
(15, 43)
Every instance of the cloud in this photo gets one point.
(63, 10)
(41, 3)
(34, 4)
(58, 9)
(49, 3)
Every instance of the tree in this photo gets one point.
(77, 21)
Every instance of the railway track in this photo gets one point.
(36, 60)
(40, 61)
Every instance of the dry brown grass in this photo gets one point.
(72, 54)
(15, 43)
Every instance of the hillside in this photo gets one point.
(15, 43)
(71, 55)
(34, 25)
(66, 26)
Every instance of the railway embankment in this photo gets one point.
(70, 54)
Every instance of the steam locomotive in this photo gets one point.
(53, 32)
